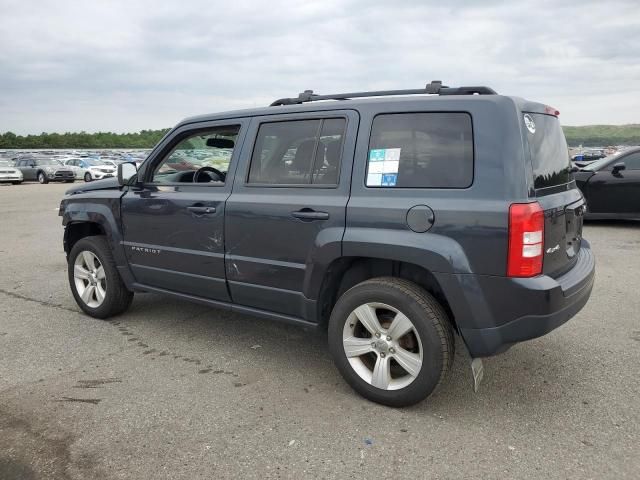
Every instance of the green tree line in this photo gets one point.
(588, 136)
(141, 139)
(603, 135)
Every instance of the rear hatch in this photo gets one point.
(555, 190)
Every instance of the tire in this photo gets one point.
(116, 297)
(42, 178)
(87, 177)
(69, 181)
(16, 183)
(430, 339)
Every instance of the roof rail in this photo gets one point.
(433, 88)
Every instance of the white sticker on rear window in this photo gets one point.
(383, 167)
(529, 123)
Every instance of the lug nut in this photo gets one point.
(377, 335)
(373, 344)
(382, 354)
(388, 338)
(392, 350)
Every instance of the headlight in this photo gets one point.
(49, 169)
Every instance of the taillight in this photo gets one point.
(551, 111)
(526, 240)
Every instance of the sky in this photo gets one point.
(127, 65)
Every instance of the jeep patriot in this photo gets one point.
(394, 220)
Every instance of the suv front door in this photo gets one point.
(173, 223)
(286, 215)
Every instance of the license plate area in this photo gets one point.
(574, 217)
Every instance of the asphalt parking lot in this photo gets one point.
(181, 391)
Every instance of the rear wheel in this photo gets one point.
(42, 178)
(87, 177)
(94, 279)
(391, 341)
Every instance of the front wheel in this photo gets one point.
(391, 341)
(87, 177)
(94, 279)
(42, 178)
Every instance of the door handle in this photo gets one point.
(201, 210)
(310, 214)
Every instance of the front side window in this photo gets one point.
(300, 152)
(202, 157)
(421, 150)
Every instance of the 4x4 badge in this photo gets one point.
(529, 123)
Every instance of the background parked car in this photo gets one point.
(90, 169)
(611, 185)
(44, 170)
(8, 173)
(588, 156)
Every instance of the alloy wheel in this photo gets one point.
(382, 346)
(89, 278)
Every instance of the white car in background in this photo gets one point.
(8, 173)
(90, 169)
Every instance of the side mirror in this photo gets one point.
(617, 167)
(126, 171)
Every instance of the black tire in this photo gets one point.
(69, 181)
(42, 178)
(430, 322)
(117, 298)
(87, 177)
(16, 183)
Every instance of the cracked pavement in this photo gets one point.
(181, 391)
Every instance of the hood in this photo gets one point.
(106, 184)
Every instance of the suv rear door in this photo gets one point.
(555, 190)
(286, 215)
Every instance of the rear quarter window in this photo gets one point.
(421, 150)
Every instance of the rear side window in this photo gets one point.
(421, 150)
(300, 152)
(550, 159)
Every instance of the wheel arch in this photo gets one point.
(76, 231)
(346, 272)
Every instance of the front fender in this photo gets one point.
(105, 212)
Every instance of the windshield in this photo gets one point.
(601, 162)
(48, 161)
(92, 162)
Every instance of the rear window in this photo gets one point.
(550, 159)
(421, 150)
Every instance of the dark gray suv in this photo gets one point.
(393, 219)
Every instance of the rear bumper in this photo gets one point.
(504, 311)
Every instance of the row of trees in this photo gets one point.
(603, 135)
(591, 135)
(141, 139)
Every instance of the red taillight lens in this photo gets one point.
(526, 240)
(551, 111)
